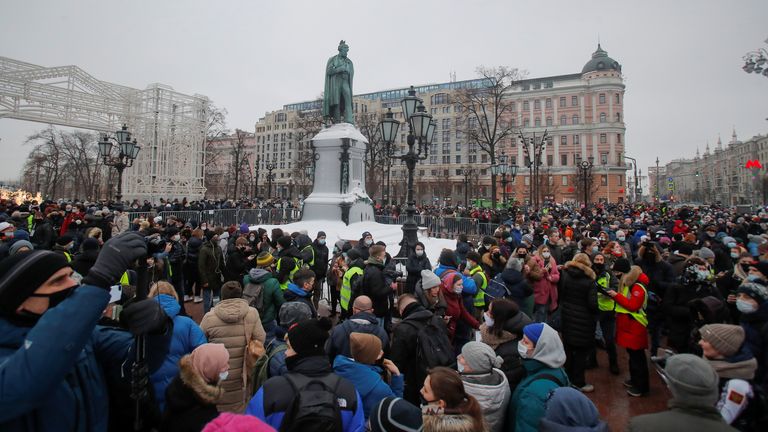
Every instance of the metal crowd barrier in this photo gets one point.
(445, 227)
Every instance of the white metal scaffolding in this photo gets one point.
(170, 126)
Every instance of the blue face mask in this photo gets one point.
(745, 307)
(753, 278)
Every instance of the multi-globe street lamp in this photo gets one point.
(755, 62)
(504, 169)
(421, 130)
(534, 149)
(256, 167)
(586, 174)
(468, 172)
(270, 166)
(127, 152)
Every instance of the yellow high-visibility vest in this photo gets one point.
(639, 314)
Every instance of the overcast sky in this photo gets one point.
(681, 59)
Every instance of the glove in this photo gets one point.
(115, 258)
(144, 317)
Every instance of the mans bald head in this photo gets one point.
(362, 304)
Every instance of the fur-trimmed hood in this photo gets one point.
(207, 393)
(630, 278)
(584, 268)
(488, 259)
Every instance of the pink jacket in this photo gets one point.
(545, 290)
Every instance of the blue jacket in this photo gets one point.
(187, 336)
(363, 322)
(368, 382)
(470, 288)
(531, 395)
(275, 397)
(52, 375)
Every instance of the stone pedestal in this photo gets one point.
(339, 189)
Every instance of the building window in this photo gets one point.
(603, 138)
(536, 104)
(484, 172)
(602, 98)
(564, 159)
(550, 160)
(576, 158)
(441, 98)
(618, 117)
(458, 146)
(602, 117)
(421, 172)
(563, 140)
(446, 123)
(604, 158)
(575, 139)
(447, 159)
(434, 173)
(562, 101)
(575, 119)
(548, 103)
(446, 136)
(618, 98)
(621, 180)
(538, 121)
(514, 106)
(549, 121)
(603, 180)
(574, 101)
(618, 138)
(526, 123)
(484, 158)
(564, 180)
(527, 180)
(526, 106)
(458, 159)
(563, 120)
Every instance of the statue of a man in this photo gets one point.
(337, 98)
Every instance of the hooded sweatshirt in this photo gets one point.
(492, 393)
(568, 410)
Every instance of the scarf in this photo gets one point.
(739, 370)
(492, 340)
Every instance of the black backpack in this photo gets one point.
(315, 406)
(433, 347)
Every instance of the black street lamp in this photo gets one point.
(270, 166)
(634, 164)
(755, 62)
(504, 169)
(657, 179)
(421, 129)
(534, 149)
(586, 174)
(256, 167)
(127, 152)
(468, 172)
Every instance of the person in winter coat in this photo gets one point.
(320, 266)
(493, 261)
(271, 294)
(240, 260)
(545, 289)
(362, 321)
(660, 278)
(233, 323)
(533, 273)
(452, 286)
(631, 322)
(606, 317)
(192, 282)
(515, 282)
(42, 233)
(695, 283)
(72, 360)
(578, 303)
(405, 347)
(479, 370)
(288, 261)
(694, 387)
(305, 358)
(83, 262)
(462, 248)
(362, 371)
(567, 409)
(502, 329)
(186, 337)
(543, 359)
(449, 406)
(301, 291)
(417, 262)
(193, 394)
(374, 286)
(365, 242)
(210, 268)
(752, 302)
(396, 415)
(429, 293)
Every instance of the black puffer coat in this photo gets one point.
(677, 308)
(414, 266)
(513, 365)
(516, 284)
(405, 348)
(577, 293)
(374, 286)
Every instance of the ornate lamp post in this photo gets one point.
(421, 130)
(586, 174)
(256, 166)
(468, 172)
(504, 169)
(127, 152)
(270, 166)
(534, 149)
(634, 164)
(657, 179)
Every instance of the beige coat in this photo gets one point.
(228, 323)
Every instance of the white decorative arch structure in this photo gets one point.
(170, 126)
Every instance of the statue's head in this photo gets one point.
(343, 48)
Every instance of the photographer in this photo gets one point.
(55, 360)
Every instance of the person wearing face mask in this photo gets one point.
(661, 278)
(533, 273)
(447, 406)
(320, 266)
(64, 246)
(452, 286)
(695, 283)
(606, 315)
(210, 267)
(417, 261)
(543, 359)
(176, 262)
(752, 302)
(240, 260)
(49, 337)
(196, 389)
(478, 367)
(545, 290)
(288, 261)
(502, 329)
(365, 242)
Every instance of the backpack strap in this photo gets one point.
(549, 377)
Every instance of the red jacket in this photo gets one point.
(629, 332)
(455, 309)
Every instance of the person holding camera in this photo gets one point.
(56, 362)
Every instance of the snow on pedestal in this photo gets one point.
(334, 186)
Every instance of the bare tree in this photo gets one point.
(581, 181)
(239, 152)
(376, 157)
(548, 187)
(486, 110)
(216, 128)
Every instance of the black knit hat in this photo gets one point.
(285, 241)
(22, 274)
(353, 254)
(474, 256)
(308, 337)
(621, 265)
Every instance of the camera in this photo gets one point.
(155, 244)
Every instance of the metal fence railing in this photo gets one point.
(445, 227)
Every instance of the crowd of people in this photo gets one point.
(495, 334)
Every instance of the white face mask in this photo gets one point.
(419, 252)
(522, 350)
(176, 237)
(457, 289)
(459, 366)
(745, 307)
(368, 242)
(546, 255)
(223, 375)
(488, 320)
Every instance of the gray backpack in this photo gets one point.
(253, 293)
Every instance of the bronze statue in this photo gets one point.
(337, 97)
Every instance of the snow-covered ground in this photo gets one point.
(389, 234)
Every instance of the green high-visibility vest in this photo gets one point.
(480, 295)
(346, 286)
(639, 314)
(312, 262)
(604, 302)
(30, 221)
(297, 262)
(124, 279)
(68, 256)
